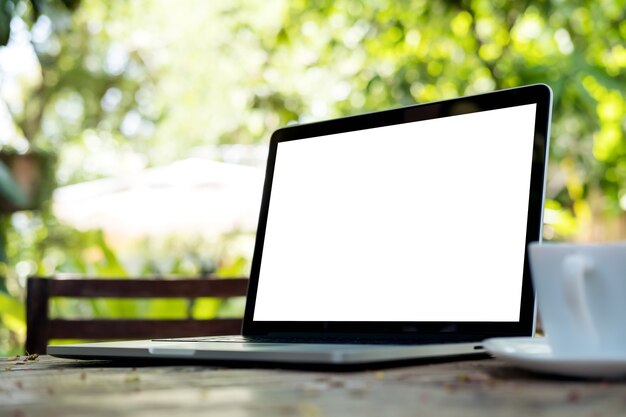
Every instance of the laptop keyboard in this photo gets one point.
(301, 339)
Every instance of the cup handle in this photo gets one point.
(576, 270)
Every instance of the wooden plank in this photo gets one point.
(148, 288)
(48, 386)
(100, 329)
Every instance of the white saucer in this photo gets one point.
(534, 354)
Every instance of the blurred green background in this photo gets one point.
(94, 90)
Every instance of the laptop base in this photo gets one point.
(299, 356)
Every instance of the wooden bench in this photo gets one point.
(40, 328)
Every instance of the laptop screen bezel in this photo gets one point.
(539, 94)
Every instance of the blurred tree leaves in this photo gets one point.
(30, 11)
(6, 13)
(83, 88)
(260, 65)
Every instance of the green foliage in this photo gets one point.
(12, 325)
(29, 10)
(11, 313)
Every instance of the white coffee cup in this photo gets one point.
(581, 293)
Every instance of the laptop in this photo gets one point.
(387, 237)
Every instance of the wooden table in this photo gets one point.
(48, 386)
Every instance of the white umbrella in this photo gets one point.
(194, 196)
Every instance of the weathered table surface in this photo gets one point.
(47, 386)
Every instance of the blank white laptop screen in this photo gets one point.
(422, 221)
